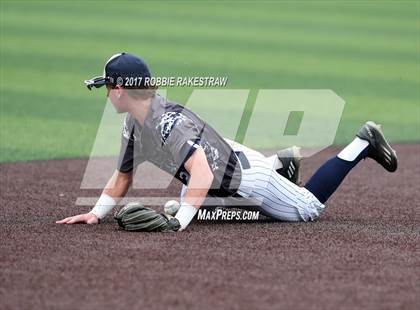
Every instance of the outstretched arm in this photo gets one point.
(201, 178)
(115, 189)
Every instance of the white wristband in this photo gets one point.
(185, 214)
(105, 204)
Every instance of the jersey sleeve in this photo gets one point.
(129, 157)
(180, 136)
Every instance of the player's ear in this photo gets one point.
(119, 91)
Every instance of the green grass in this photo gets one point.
(366, 52)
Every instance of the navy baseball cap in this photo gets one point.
(121, 69)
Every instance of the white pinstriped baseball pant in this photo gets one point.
(270, 193)
(274, 195)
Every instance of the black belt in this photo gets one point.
(243, 160)
(245, 165)
(227, 178)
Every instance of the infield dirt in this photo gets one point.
(363, 253)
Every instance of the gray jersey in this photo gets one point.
(170, 135)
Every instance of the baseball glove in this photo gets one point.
(136, 217)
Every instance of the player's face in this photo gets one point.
(116, 95)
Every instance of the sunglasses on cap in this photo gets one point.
(99, 81)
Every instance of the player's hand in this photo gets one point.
(86, 218)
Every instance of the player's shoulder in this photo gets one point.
(166, 112)
(168, 115)
(167, 121)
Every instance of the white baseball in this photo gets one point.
(171, 207)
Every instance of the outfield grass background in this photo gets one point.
(367, 52)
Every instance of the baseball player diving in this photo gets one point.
(176, 140)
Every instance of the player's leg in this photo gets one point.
(369, 142)
(283, 200)
(329, 176)
(286, 162)
(272, 194)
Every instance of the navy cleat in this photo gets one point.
(379, 148)
(290, 159)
